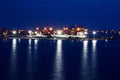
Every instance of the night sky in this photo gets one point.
(95, 14)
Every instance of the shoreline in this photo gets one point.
(47, 38)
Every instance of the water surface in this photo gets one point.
(35, 59)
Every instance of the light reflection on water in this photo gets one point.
(35, 56)
(94, 63)
(88, 70)
(88, 65)
(94, 45)
(35, 47)
(19, 40)
(85, 50)
(35, 44)
(29, 61)
(58, 66)
(29, 46)
(12, 74)
(84, 66)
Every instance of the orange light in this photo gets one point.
(48, 32)
(78, 29)
(66, 28)
(51, 29)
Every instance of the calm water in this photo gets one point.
(27, 59)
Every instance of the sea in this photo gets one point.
(59, 59)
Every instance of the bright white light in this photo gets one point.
(94, 32)
(35, 32)
(85, 32)
(106, 40)
(30, 32)
(59, 32)
(14, 32)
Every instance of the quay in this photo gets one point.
(53, 38)
(75, 33)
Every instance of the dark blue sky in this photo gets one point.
(96, 14)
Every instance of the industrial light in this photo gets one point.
(78, 29)
(59, 32)
(94, 32)
(14, 32)
(29, 32)
(51, 28)
(85, 32)
(35, 32)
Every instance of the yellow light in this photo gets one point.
(51, 29)
(78, 29)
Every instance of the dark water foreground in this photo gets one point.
(32, 59)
